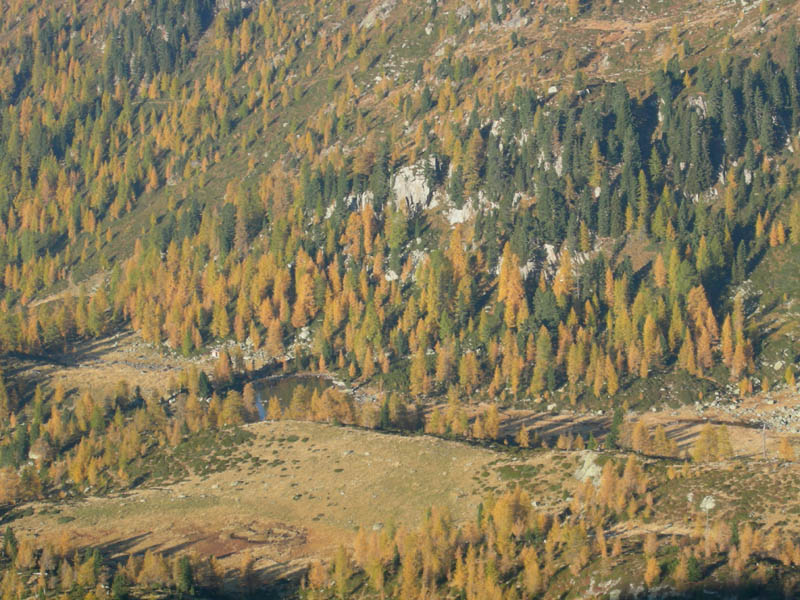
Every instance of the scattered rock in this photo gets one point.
(463, 12)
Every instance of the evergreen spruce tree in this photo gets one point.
(766, 130)
(731, 125)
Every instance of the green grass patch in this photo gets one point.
(517, 472)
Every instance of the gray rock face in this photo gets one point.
(589, 469)
(378, 13)
(411, 190)
(699, 103)
(460, 215)
(359, 201)
(352, 202)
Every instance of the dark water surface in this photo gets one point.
(285, 387)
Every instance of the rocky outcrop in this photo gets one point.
(456, 216)
(411, 190)
(40, 450)
(699, 103)
(378, 13)
(589, 469)
(353, 202)
(463, 12)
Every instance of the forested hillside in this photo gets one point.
(587, 233)
(512, 204)
(444, 221)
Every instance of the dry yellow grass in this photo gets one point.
(330, 480)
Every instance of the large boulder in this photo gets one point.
(40, 450)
